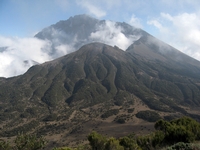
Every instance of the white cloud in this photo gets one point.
(134, 21)
(167, 16)
(18, 50)
(62, 42)
(181, 31)
(156, 23)
(112, 34)
(14, 51)
(64, 49)
(17, 55)
(92, 9)
(25, 48)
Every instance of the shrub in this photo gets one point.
(145, 142)
(110, 113)
(128, 143)
(131, 110)
(180, 146)
(29, 142)
(121, 120)
(113, 144)
(148, 115)
(51, 117)
(62, 148)
(4, 145)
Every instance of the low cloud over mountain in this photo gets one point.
(60, 39)
(18, 54)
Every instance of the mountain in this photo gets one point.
(64, 37)
(99, 87)
(83, 29)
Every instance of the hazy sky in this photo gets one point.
(176, 22)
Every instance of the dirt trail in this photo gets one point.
(72, 115)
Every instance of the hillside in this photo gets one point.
(99, 87)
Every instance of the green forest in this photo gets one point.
(177, 134)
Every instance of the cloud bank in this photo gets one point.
(17, 55)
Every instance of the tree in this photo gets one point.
(184, 129)
(29, 142)
(129, 143)
(145, 142)
(97, 141)
(113, 144)
(157, 138)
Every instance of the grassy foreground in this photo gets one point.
(177, 134)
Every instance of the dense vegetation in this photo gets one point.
(183, 131)
(24, 142)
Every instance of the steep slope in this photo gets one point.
(171, 66)
(97, 86)
(149, 48)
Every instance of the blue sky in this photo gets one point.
(176, 22)
(23, 18)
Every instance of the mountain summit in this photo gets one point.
(83, 29)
